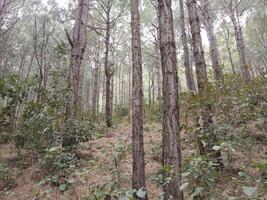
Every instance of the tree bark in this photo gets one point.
(108, 73)
(202, 82)
(96, 79)
(171, 127)
(188, 68)
(241, 47)
(78, 44)
(138, 180)
(228, 47)
(213, 46)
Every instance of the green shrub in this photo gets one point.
(36, 130)
(200, 174)
(57, 165)
(120, 113)
(6, 179)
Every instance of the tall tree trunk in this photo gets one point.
(149, 89)
(241, 48)
(98, 91)
(158, 77)
(138, 180)
(158, 61)
(96, 79)
(202, 82)
(188, 68)
(103, 93)
(171, 127)
(153, 87)
(130, 91)
(108, 73)
(213, 46)
(122, 91)
(228, 47)
(78, 44)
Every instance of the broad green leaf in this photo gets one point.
(197, 191)
(141, 193)
(63, 187)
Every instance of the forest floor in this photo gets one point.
(106, 163)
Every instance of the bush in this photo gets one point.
(120, 113)
(57, 164)
(13, 92)
(37, 130)
(200, 174)
(6, 180)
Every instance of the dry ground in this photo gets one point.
(105, 158)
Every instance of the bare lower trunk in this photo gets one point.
(228, 47)
(171, 128)
(188, 68)
(213, 46)
(108, 103)
(230, 58)
(109, 74)
(96, 79)
(202, 81)
(78, 44)
(138, 180)
(234, 15)
(103, 93)
(153, 87)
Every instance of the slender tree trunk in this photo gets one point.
(98, 91)
(158, 77)
(78, 44)
(138, 180)
(103, 93)
(202, 82)
(158, 61)
(111, 97)
(171, 128)
(230, 57)
(213, 46)
(96, 79)
(241, 48)
(122, 91)
(149, 89)
(226, 34)
(188, 68)
(108, 73)
(130, 91)
(153, 87)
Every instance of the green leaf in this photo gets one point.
(243, 174)
(197, 191)
(63, 187)
(141, 193)
(250, 191)
(42, 182)
(261, 166)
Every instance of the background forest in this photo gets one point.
(140, 99)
